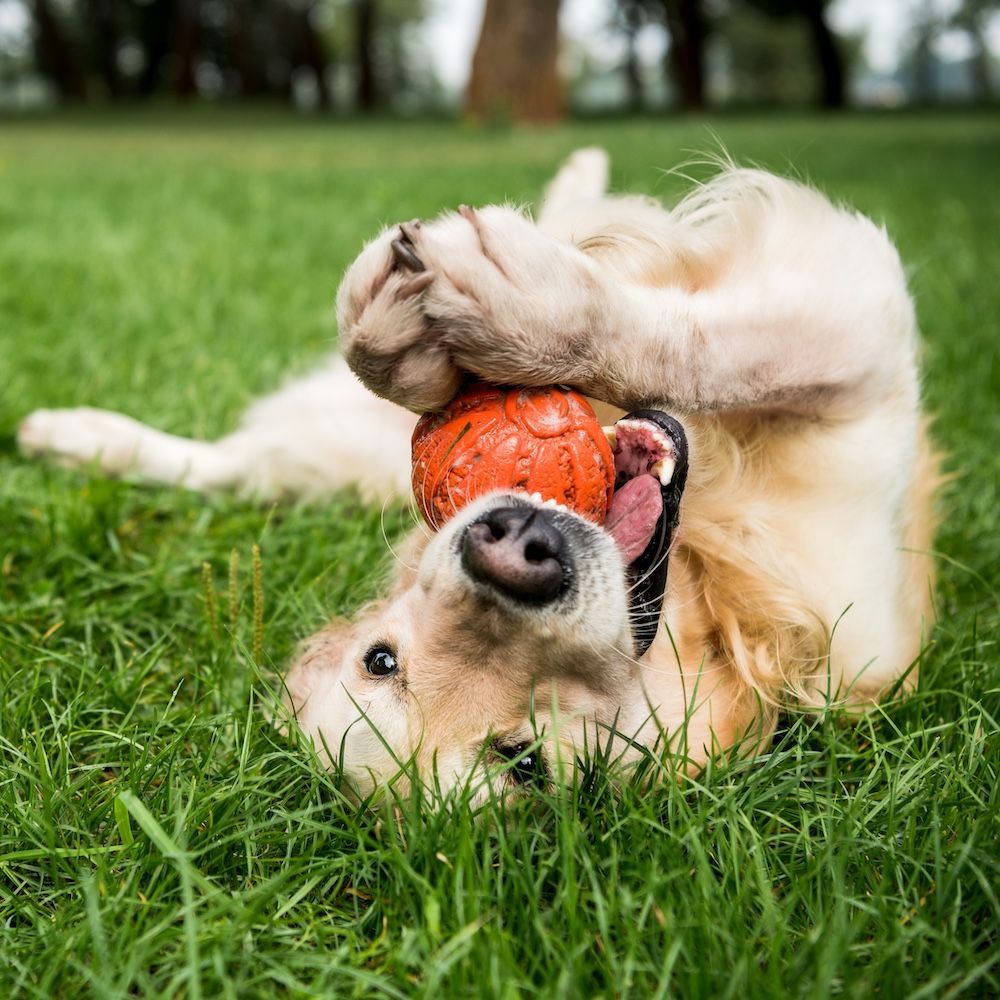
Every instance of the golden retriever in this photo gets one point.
(776, 327)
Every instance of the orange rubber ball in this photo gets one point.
(544, 441)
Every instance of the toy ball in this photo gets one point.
(545, 441)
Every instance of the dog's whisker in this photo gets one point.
(385, 537)
(639, 581)
(415, 518)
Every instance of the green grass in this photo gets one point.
(157, 836)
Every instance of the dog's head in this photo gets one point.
(512, 648)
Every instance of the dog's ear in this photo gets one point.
(317, 662)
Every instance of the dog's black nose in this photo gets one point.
(517, 550)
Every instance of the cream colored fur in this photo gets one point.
(775, 325)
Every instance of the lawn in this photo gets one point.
(158, 836)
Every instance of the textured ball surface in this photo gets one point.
(545, 441)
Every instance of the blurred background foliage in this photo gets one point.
(533, 60)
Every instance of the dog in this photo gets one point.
(777, 332)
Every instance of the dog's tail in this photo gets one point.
(583, 177)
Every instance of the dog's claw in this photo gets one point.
(409, 230)
(415, 285)
(402, 252)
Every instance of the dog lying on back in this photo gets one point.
(775, 326)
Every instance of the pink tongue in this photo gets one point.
(632, 518)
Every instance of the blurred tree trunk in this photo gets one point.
(828, 58)
(686, 55)
(55, 54)
(515, 68)
(154, 22)
(102, 18)
(632, 17)
(981, 82)
(365, 16)
(972, 17)
(311, 53)
(278, 54)
(186, 47)
(248, 60)
(924, 64)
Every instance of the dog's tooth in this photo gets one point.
(612, 435)
(537, 497)
(664, 470)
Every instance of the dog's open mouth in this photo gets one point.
(651, 461)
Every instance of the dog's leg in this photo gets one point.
(315, 435)
(582, 178)
(117, 444)
(788, 303)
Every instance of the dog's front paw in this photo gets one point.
(511, 304)
(80, 436)
(482, 292)
(383, 328)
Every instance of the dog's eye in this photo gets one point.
(380, 661)
(528, 765)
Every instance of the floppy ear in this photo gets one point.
(317, 663)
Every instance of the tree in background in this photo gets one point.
(688, 26)
(285, 50)
(106, 34)
(370, 43)
(922, 62)
(56, 54)
(366, 56)
(307, 52)
(154, 27)
(187, 20)
(928, 73)
(829, 59)
(366, 92)
(515, 66)
(764, 37)
(826, 53)
(972, 17)
(628, 17)
(767, 62)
